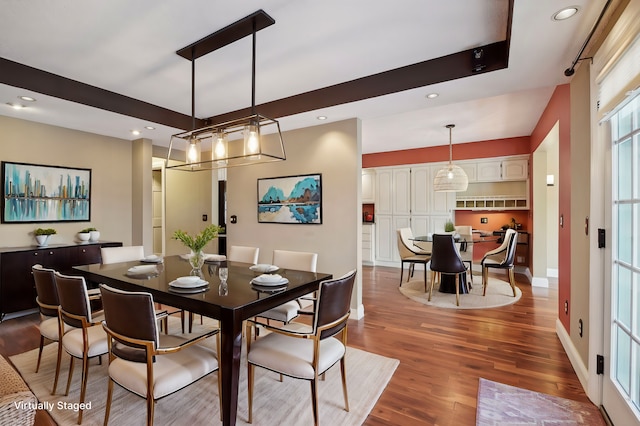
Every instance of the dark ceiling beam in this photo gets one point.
(438, 70)
(19, 75)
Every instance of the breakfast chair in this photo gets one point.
(47, 300)
(502, 257)
(411, 255)
(305, 351)
(131, 254)
(243, 254)
(446, 260)
(85, 338)
(466, 247)
(144, 362)
(295, 260)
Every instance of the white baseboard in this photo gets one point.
(574, 357)
(540, 282)
(357, 313)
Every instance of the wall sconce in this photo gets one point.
(550, 180)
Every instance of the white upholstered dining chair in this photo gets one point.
(243, 254)
(295, 260)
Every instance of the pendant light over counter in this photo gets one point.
(450, 178)
(233, 143)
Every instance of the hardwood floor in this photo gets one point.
(442, 352)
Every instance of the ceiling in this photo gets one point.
(129, 48)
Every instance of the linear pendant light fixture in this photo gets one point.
(450, 178)
(233, 143)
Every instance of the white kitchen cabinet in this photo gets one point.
(471, 169)
(368, 186)
(517, 169)
(385, 238)
(421, 184)
(402, 191)
(489, 171)
(384, 191)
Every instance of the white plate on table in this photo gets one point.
(189, 290)
(268, 280)
(190, 281)
(264, 268)
(151, 259)
(143, 270)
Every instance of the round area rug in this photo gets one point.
(499, 293)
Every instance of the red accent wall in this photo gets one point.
(558, 110)
(463, 151)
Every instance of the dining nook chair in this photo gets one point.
(411, 254)
(446, 260)
(143, 361)
(306, 351)
(502, 257)
(84, 337)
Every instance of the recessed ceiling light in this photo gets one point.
(27, 98)
(565, 13)
(432, 95)
(15, 106)
(135, 132)
(322, 117)
(149, 127)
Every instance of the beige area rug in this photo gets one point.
(275, 403)
(503, 405)
(499, 293)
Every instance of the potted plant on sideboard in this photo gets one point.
(43, 235)
(93, 233)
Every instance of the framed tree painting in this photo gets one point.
(290, 199)
(40, 193)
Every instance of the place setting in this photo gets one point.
(189, 284)
(153, 258)
(269, 283)
(143, 271)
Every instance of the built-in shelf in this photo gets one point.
(492, 202)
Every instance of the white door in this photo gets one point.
(384, 191)
(421, 186)
(401, 194)
(385, 238)
(621, 384)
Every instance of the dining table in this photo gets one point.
(230, 304)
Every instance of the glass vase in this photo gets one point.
(196, 259)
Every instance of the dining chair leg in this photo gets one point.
(107, 409)
(71, 362)
(314, 399)
(40, 352)
(58, 362)
(425, 277)
(485, 277)
(343, 370)
(250, 390)
(457, 281)
(512, 281)
(83, 385)
(151, 404)
(433, 278)
(401, 272)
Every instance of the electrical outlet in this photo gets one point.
(484, 220)
(580, 326)
(566, 306)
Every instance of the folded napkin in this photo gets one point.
(263, 267)
(268, 278)
(143, 269)
(152, 258)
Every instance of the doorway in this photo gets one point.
(545, 214)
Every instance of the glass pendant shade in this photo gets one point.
(450, 178)
(220, 150)
(194, 152)
(252, 139)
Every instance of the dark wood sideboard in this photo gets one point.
(17, 289)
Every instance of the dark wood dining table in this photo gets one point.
(241, 301)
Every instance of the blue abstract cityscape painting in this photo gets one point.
(37, 193)
(290, 199)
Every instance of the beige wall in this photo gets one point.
(332, 150)
(109, 160)
(580, 207)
